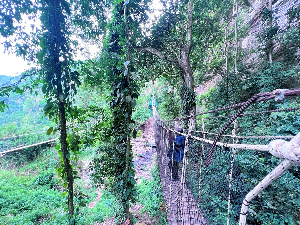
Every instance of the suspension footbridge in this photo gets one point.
(230, 159)
(224, 170)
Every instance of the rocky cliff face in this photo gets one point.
(254, 20)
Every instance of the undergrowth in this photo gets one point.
(31, 194)
(150, 195)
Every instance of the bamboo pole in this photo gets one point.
(292, 146)
(276, 173)
(234, 131)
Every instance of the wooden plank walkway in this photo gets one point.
(179, 201)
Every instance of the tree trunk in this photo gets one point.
(127, 168)
(56, 46)
(129, 112)
(270, 44)
(235, 35)
(184, 61)
(66, 155)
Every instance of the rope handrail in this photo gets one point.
(247, 137)
(280, 148)
(263, 148)
(277, 94)
(23, 135)
(19, 148)
(255, 113)
(27, 146)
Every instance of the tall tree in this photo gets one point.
(182, 37)
(114, 160)
(180, 56)
(59, 80)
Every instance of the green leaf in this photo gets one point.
(49, 131)
(44, 88)
(72, 221)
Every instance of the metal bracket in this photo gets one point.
(279, 94)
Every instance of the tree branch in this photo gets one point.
(8, 85)
(189, 27)
(156, 52)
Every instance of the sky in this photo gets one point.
(11, 65)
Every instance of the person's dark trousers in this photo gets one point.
(175, 170)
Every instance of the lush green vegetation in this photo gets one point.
(24, 114)
(151, 197)
(32, 194)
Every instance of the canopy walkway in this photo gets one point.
(25, 141)
(222, 172)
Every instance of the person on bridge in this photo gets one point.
(176, 154)
(151, 102)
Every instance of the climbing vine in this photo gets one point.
(113, 165)
(188, 97)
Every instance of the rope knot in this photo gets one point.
(286, 150)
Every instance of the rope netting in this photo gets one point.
(243, 160)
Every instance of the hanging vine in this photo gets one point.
(114, 162)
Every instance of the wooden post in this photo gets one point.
(170, 196)
(202, 154)
(275, 173)
(185, 161)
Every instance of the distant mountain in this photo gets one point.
(8, 80)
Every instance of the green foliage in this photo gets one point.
(108, 163)
(31, 194)
(240, 87)
(251, 167)
(141, 112)
(150, 195)
(45, 179)
(21, 203)
(285, 123)
(114, 158)
(106, 207)
(168, 99)
(24, 114)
